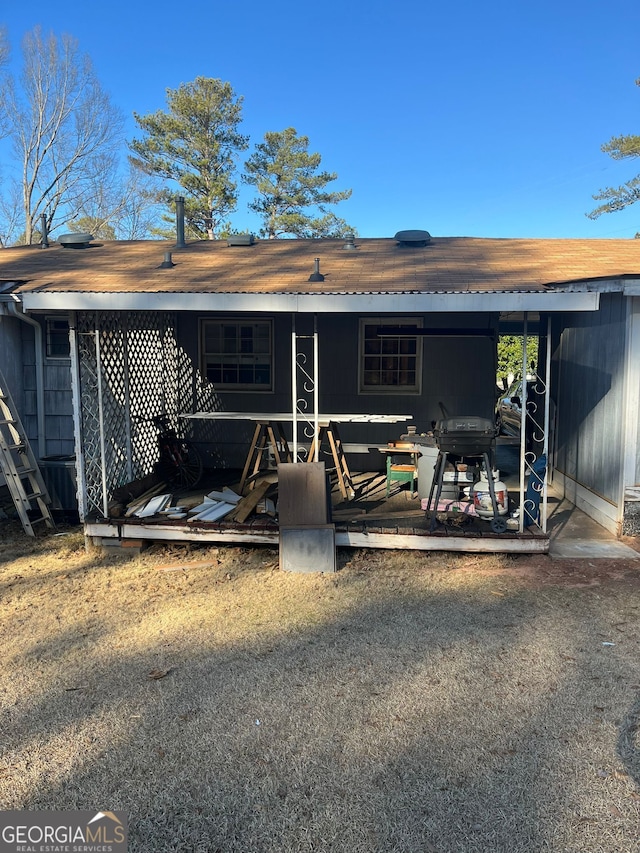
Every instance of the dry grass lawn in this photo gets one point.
(411, 702)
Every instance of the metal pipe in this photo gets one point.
(16, 312)
(180, 241)
(44, 241)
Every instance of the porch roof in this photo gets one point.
(274, 269)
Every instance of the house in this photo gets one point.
(405, 325)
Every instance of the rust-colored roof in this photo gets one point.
(445, 265)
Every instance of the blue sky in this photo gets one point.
(465, 119)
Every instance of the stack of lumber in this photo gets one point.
(210, 507)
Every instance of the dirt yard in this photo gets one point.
(411, 702)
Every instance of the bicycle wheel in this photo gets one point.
(182, 466)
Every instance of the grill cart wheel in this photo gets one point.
(498, 525)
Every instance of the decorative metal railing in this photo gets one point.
(534, 438)
(304, 392)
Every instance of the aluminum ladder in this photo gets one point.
(18, 464)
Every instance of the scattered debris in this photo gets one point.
(182, 567)
(153, 506)
(213, 506)
(144, 498)
(246, 506)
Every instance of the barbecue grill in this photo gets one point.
(465, 436)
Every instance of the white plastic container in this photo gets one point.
(482, 496)
(426, 465)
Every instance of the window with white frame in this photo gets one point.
(237, 354)
(57, 337)
(390, 356)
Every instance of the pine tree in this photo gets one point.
(617, 198)
(290, 189)
(194, 144)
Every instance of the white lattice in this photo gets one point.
(128, 370)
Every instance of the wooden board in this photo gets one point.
(246, 506)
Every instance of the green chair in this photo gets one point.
(403, 472)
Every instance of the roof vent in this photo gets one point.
(79, 240)
(316, 275)
(241, 240)
(167, 262)
(414, 239)
(350, 242)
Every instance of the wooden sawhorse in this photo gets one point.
(328, 433)
(267, 435)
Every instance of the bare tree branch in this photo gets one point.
(62, 122)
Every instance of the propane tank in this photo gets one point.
(482, 495)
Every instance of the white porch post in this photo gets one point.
(77, 418)
(103, 456)
(523, 423)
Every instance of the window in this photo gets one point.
(390, 361)
(57, 331)
(236, 354)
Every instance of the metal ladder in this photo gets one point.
(20, 469)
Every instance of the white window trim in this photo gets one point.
(236, 388)
(389, 389)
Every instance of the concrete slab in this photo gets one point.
(592, 549)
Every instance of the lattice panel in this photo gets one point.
(127, 363)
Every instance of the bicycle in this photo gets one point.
(179, 462)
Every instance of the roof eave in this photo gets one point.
(305, 303)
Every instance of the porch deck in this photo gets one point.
(371, 520)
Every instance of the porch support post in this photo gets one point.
(103, 456)
(77, 419)
(304, 387)
(547, 409)
(523, 423)
(316, 382)
(294, 387)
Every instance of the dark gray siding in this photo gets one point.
(457, 373)
(18, 360)
(590, 397)
(11, 357)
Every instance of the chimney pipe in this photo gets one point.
(44, 240)
(180, 242)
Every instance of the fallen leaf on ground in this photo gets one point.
(156, 674)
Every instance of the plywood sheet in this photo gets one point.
(302, 494)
